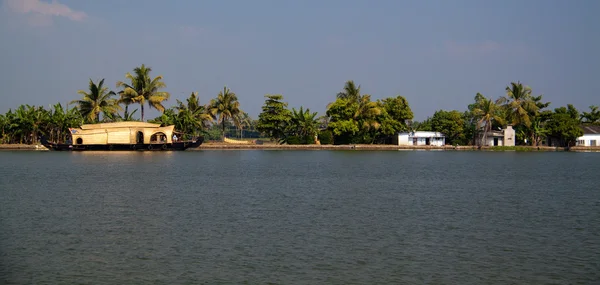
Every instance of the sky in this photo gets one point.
(436, 53)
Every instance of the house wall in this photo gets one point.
(489, 141)
(435, 138)
(509, 137)
(432, 141)
(403, 139)
(588, 140)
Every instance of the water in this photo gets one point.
(299, 217)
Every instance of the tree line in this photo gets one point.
(534, 122)
(352, 118)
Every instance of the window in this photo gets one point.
(79, 141)
(592, 142)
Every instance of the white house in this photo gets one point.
(591, 136)
(504, 137)
(421, 138)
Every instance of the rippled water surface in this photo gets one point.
(299, 217)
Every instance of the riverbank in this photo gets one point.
(363, 147)
(224, 146)
(22, 147)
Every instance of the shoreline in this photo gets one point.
(357, 147)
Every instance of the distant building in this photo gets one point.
(591, 136)
(420, 138)
(504, 137)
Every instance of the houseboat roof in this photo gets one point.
(130, 124)
(590, 130)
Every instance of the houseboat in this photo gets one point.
(124, 136)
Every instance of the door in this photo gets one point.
(415, 141)
(495, 141)
(427, 141)
(139, 138)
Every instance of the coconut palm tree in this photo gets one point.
(194, 116)
(351, 91)
(226, 107)
(245, 122)
(520, 103)
(486, 111)
(97, 100)
(142, 88)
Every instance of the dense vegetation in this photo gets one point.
(352, 118)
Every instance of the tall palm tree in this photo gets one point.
(245, 122)
(227, 107)
(142, 88)
(351, 91)
(520, 104)
(97, 100)
(487, 111)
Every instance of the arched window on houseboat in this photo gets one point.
(159, 137)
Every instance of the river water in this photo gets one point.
(299, 217)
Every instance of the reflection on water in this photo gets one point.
(299, 217)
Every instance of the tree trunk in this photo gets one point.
(142, 107)
(223, 123)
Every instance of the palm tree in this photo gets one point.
(304, 123)
(245, 122)
(593, 117)
(351, 91)
(487, 111)
(193, 116)
(97, 100)
(227, 107)
(142, 88)
(520, 104)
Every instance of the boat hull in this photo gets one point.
(182, 145)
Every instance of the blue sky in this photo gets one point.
(437, 54)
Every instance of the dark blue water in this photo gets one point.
(300, 217)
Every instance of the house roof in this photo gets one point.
(495, 134)
(423, 134)
(590, 129)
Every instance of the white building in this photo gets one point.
(421, 138)
(591, 136)
(504, 137)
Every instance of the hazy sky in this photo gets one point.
(437, 54)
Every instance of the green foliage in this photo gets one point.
(326, 137)
(354, 118)
(513, 148)
(451, 124)
(274, 118)
(97, 100)
(226, 107)
(26, 123)
(296, 139)
(143, 88)
(564, 125)
(190, 118)
(592, 117)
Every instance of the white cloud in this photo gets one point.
(41, 13)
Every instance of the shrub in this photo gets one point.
(326, 137)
